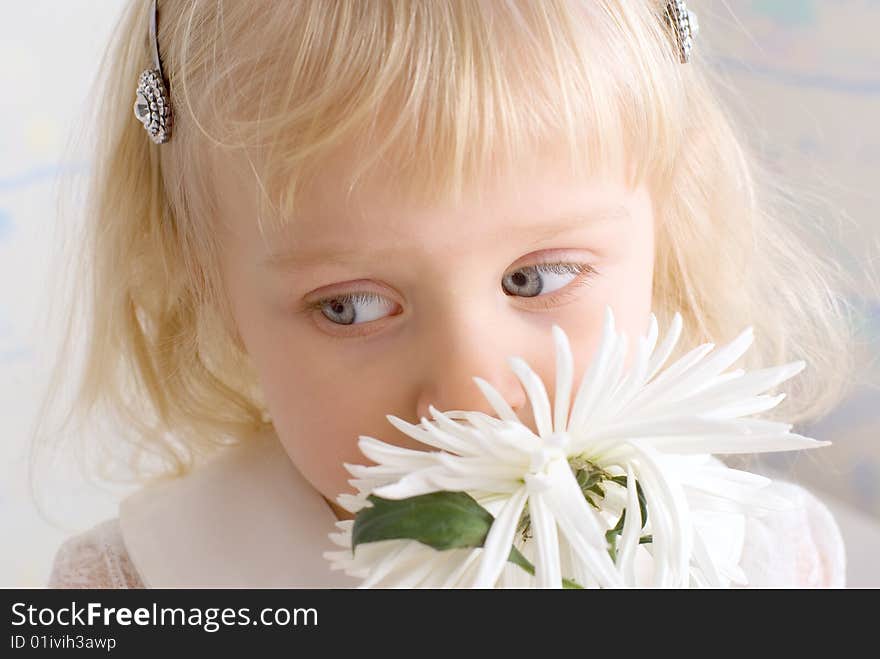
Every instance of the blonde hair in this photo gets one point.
(447, 92)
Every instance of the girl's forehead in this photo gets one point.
(544, 179)
(331, 202)
(542, 200)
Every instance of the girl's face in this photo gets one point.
(366, 307)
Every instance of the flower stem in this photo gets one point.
(518, 559)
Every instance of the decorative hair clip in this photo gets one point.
(152, 106)
(685, 24)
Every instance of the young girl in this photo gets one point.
(352, 208)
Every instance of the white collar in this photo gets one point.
(246, 519)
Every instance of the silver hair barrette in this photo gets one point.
(685, 24)
(152, 106)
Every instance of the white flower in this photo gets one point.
(650, 426)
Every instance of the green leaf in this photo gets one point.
(518, 559)
(442, 520)
(586, 479)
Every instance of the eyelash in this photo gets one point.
(585, 273)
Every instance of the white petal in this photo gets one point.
(429, 569)
(654, 393)
(594, 381)
(579, 572)
(723, 536)
(437, 479)
(449, 441)
(517, 436)
(366, 486)
(463, 575)
(632, 526)
(484, 436)
(352, 503)
(722, 394)
(649, 427)
(395, 552)
(722, 471)
(606, 403)
(688, 436)
(547, 566)
(578, 523)
(513, 576)
(704, 561)
(464, 434)
(746, 407)
(564, 375)
(443, 566)
(674, 426)
(702, 502)
(341, 540)
(387, 472)
(632, 383)
(434, 438)
(489, 468)
(653, 332)
(714, 481)
(339, 560)
(734, 444)
(754, 499)
(506, 443)
(697, 376)
(496, 549)
(759, 381)
(659, 357)
(382, 453)
(419, 572)
(537, 394)
(663, 492)
(411, 485)
(662, 430)
(496, 400)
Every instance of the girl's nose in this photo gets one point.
(452, 386)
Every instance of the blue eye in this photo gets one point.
(354, 308)
(543, 278)
(539, 280)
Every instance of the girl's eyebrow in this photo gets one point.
(296, 259)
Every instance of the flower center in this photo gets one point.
(552, 448)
